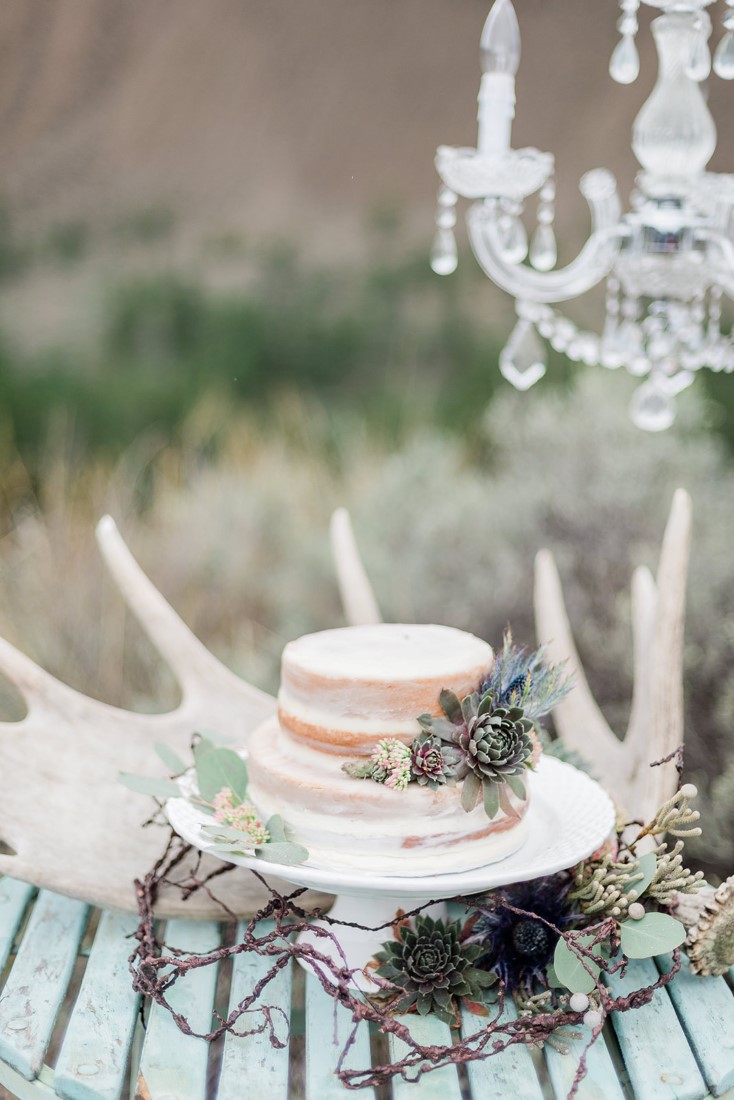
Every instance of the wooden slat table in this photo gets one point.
(69, 1028)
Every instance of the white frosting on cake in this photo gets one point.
(387, 651)
(352, 824)
(341, 692)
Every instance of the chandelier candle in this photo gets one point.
(667, 262)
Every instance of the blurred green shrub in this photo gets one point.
(385, 341)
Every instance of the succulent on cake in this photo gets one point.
(431, 968)
(495, 743)
(432, 762)
(390, 763)
(518, 947)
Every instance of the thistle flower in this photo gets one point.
(517, 948)
(432, 968)
(522, 679)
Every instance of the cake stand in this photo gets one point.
(569, 817)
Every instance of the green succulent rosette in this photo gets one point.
(494, 742)
(432, 968)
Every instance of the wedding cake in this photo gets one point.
(377, 745)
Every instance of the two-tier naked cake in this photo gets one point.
(342, 692)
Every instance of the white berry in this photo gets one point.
(636, 910)
(579, 1002)
(592, 1019)
(688, 790)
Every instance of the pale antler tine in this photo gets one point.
(578, 719)
(33, 682)
(190, 661)
(358, 599)
(657, 784)
(644, 611)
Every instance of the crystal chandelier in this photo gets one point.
(667, 262)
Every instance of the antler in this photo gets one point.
(358, 599)
(66, 823)
(656, 722)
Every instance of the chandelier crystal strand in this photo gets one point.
(444, 253)
(624, 65)
(666, 259)
(543, 248)
(724, 56)
(699, 64)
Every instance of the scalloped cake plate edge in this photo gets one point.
(570, 816)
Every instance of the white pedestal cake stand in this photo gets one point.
(569, 817)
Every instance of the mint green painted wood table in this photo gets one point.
(70, 1028)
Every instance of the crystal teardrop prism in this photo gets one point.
(724, 57)
(699, 66)
(651, 408)
(514, 239)
(624, 65)
(543, 248)
(444, 256)
(523, 359)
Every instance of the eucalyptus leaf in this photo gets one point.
(648, 865)
(214, 737)
(225, 832)
(276, 829)
(552, 977)
(202, 747)
(170, 758)
(654, 934)
(221, 768)
(283, 852)
(570, 971)
(148, 784)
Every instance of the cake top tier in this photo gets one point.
(347, 688)
(387, 652)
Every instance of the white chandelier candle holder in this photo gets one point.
(668, 261)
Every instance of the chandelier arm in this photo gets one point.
(595, 260)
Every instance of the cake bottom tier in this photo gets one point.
(353, 824)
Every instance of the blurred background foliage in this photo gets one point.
(222, 428)
(167, 358)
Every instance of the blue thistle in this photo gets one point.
(521, 678)
(518, 949)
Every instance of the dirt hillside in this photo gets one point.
(290, 117)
